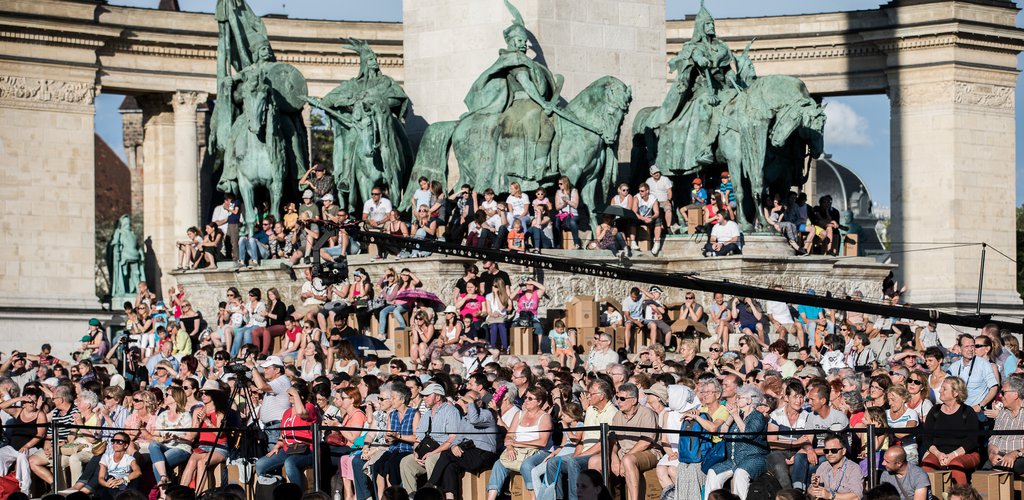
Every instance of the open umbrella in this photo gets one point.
(618, 211)
(363, 343)
(424, 297)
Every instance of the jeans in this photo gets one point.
(242, 336)
(499, 473)
(571, 467)
(250, 248)
(363, 482)
(545, 342)
(396, 311)
(498, 335)
(725, 250)
(293, 465)
(537, 237)
(571, 224)
(497, 240)
(802, 470)
(171, 457)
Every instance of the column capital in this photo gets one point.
(186, 101)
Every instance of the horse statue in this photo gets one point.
(267, 144)
(583, 145)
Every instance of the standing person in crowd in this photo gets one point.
(497, 306)
(567, 203)
(274, 385)
(661, 189)
(949, 440)
(226, 216)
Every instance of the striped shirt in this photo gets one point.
(62, 422)
(1007, 421)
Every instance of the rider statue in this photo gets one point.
(367, 115)
(691, 111)
(523, 93)
(125, 260)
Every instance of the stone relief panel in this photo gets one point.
(989, 96)
(18, 88)
(975, 94)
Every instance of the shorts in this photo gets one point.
(219, 449)
(306, 309)
(646, 460)
(334, 252)
(661, 325)
(566, 352)
(788, 327)
(750, 326)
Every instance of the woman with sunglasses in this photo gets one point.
(526, 444)
(917, 386)
(191, 388)
(229, 318)
(24, 436)
(293, 450)
(389, 288)
(422, 335)
(119, 469)
(142, 422)
(220, 360)
(255, 311)
(171, 448)
(213, 445)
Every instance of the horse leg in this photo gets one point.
(248, 193)
(736, 173)
(276, 188)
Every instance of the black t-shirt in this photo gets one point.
(280, 311)
(487, 279)
(461, 284)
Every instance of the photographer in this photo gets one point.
(274, 386)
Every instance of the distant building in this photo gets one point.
(849, 194)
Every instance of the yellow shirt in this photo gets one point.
(720, 414)
(595, 417)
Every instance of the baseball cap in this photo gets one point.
(272, 361)
(655, 289)
(319, 168)
(654, 168)
(697, 181)
(94, 322)
(307, 193)
(328, 197)
(433, 389)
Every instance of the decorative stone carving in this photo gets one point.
(20, 88)
(920, 94)
(979, 94)
(187, 101)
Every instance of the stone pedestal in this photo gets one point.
(449, 43)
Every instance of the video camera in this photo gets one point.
(330, 272)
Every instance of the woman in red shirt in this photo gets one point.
(293, 451)
(213, 445)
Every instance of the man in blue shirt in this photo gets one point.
(811, 317)
(977, 372)
(255, 247)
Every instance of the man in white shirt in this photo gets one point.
(661, 189)
(725, 237)
(376, 209)
(274, 385)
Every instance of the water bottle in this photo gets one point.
(337, 494)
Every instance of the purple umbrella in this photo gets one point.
(422, 296)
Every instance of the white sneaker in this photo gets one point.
(635, 245)
(656, 248)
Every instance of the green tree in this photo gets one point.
(322, 138)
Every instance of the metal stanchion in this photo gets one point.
(605, 458)
(58, 472)
(872, 461)
(317, 434)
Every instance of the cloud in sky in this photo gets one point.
(845, 127)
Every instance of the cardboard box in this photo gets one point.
(694, 218)
(522, 342)
(474, 485)
(516, 486)
(993, 484)
(643, 238)
(942, 481)
(585, 338)
(581, 312)
(650, 488)
(851, 242)
(399, 338)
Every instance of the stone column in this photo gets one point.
(186, 158)
(953, 172)
(158, 185)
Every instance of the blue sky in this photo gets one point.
(858, 127)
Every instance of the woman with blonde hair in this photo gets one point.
(950, 439)
(497, 306)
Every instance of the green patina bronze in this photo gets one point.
(126, 261)
(719, 113)
(515, 130)
(367, 115)
(256, 130)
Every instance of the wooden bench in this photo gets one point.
(474, 485)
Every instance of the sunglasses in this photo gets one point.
(979, 346)
(832, 451)
(221, 358)
(137, 400)
(119, 441)
(715, 349)
(914, 382)
(622, 398)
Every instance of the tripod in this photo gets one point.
(243, 387)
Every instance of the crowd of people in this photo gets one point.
(142, 410)
(513, 220)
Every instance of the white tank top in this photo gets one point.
(623, 202)
(646, 208)
(451, 333)
(527, 433)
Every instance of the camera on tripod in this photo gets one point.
(331, 272)
(239, 370)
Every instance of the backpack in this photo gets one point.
(764, 487)
(693, 448)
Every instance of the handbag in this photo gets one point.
(714, 456)
(297, 448)
(521, 455)
(427, 444)
(547, 488)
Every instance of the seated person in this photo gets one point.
(725, 237)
